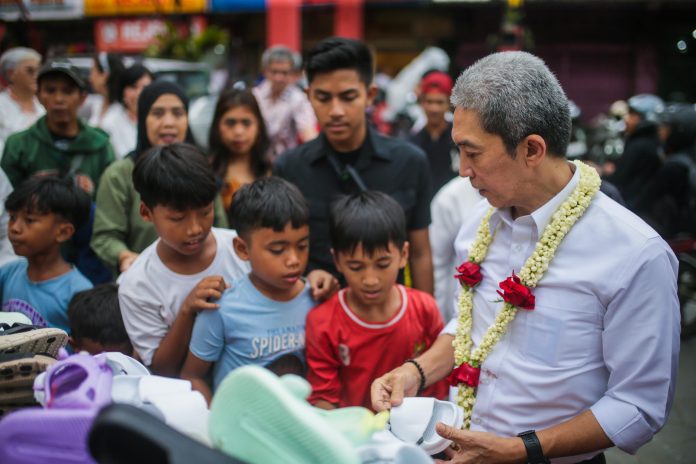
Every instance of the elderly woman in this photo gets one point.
(19, 107)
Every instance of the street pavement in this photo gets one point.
(676, 442)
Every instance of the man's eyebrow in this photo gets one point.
(468, 144)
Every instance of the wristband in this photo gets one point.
(535, 455)
(421, 387)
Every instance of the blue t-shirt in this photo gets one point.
(46, 302)
(250, 328)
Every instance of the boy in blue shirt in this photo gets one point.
(44, 213)
(261, 318)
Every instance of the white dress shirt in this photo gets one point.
(604, 334)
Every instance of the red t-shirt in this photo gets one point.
(345, 353)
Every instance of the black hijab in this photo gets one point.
(147, 98)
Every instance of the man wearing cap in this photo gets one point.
(436, 137)
(59, 143)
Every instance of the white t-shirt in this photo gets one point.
(150, 294)
(121, 128)
(13, 119)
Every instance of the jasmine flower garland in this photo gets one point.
(469, 361)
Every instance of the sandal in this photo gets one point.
(414, 420)
(25, 338)
(256, 417)
(125, 434)
(78, 382)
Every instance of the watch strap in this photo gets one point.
(535, 455)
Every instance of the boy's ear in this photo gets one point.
(241, 248)
(404, 255)
(334, 255)
(145, 212)
(64, 232)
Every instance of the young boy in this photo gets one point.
(373, 325)
(95, 320)
(187, 267)
(44, 214)
(262, 317)
(191, 263)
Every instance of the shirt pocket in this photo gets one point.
(563, 336)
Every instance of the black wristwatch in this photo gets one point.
(535, 455)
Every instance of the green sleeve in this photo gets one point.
(113, 204)
(220, 214)
(11, 162)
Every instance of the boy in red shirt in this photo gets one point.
(373, 325)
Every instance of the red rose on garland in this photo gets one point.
(515, 293)
(469, 274)
(466, 374)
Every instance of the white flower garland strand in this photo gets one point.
(531, 273)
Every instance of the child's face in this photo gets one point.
(61, 97)
(33, 233)
(183, 232)
(371, 277)
(277, 259)
(239, 129)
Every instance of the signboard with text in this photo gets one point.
(34, 10)
(133, 7)
(134, 35)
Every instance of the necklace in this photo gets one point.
(516, 289)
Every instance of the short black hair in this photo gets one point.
(46, 194)
(337, 53)
(267, 202)
(130, 77)
(178, 176)
(95, 314)
(371, 219)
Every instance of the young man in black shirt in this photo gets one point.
(349, 156)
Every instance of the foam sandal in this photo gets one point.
(414, 420)
(125, 434)
(257, 418)
(79, 381)
(35, 435)
(20, 369)
(23, 338)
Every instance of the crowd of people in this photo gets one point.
(308, 242)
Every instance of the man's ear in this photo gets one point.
(372, 91)
(65, 231)
(241, 248)
(404, 255)
(533, 148)
(83, 96)
(145, 212)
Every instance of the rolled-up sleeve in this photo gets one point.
(641, 349)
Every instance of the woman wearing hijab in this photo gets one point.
(120, 233)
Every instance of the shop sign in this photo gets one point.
(126, 7)
(11, 10)
(237, 5)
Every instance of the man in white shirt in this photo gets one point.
(286, 110)
(593, 364)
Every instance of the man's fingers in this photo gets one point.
(445, 431)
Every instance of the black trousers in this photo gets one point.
(599, 459)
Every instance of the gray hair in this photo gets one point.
(281, 53)
(516, 95)
(14, 56)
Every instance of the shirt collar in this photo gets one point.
(369, 149)
(542, 215)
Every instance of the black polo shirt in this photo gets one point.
(440, 153)
(389, 165)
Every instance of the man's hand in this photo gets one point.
(390, 389)
(125, 259)
(322, 285)
(209, 288)
(481, 448)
